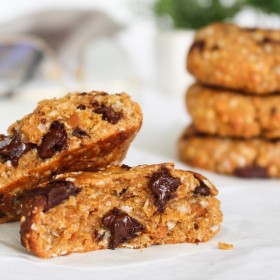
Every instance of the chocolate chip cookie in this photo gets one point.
(250, 158)
(243, 59)
(226, 113)
(81, 131)
(119, 207)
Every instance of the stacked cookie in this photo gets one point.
(61, 176)
(234, 105)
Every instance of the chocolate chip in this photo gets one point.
(12, 149)
(1, 197)
(108, 114)
(83, 93)
(81, 107)
(54, 141)
(199, 45)
(125, 167)
(196, 227)
(78, 132)
(43, 121)
(55, 192)
(252, 171)
(163, 186)
(266, 40)
(2, 215)
(202, 189)
(122, 227)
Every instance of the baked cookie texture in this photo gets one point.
(227, 113)
(119, 207)
(80, 131)
(242, 59)
(249, 158)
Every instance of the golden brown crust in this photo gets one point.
(228, 113)
(93, 140)
(191, 213)
(225, 55)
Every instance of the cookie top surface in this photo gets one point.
(244, 59)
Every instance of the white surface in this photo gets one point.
(251, 220)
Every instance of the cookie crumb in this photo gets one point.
(225, 246)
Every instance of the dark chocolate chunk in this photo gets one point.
(163, 186)
(78, 132)
(122, 227)
(55, 192)
(54, 141)
(81, 107)
(125, 167)
(252, 171)
(202, 189)
(12, 149)
(199, 45)
(2, 215)
(108, 114)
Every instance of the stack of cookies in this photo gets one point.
(235, 105)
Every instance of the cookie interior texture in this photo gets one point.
(121, 207)
(81, 131)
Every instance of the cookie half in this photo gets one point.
(226, 113)
(119, 207)
(250, 158)
(78, 132)
(243, 59)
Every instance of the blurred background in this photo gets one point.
(48, 48)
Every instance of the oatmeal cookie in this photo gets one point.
(119, 207)
(226, 113)
(78, 132)
(250, 158)
(242, 59)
